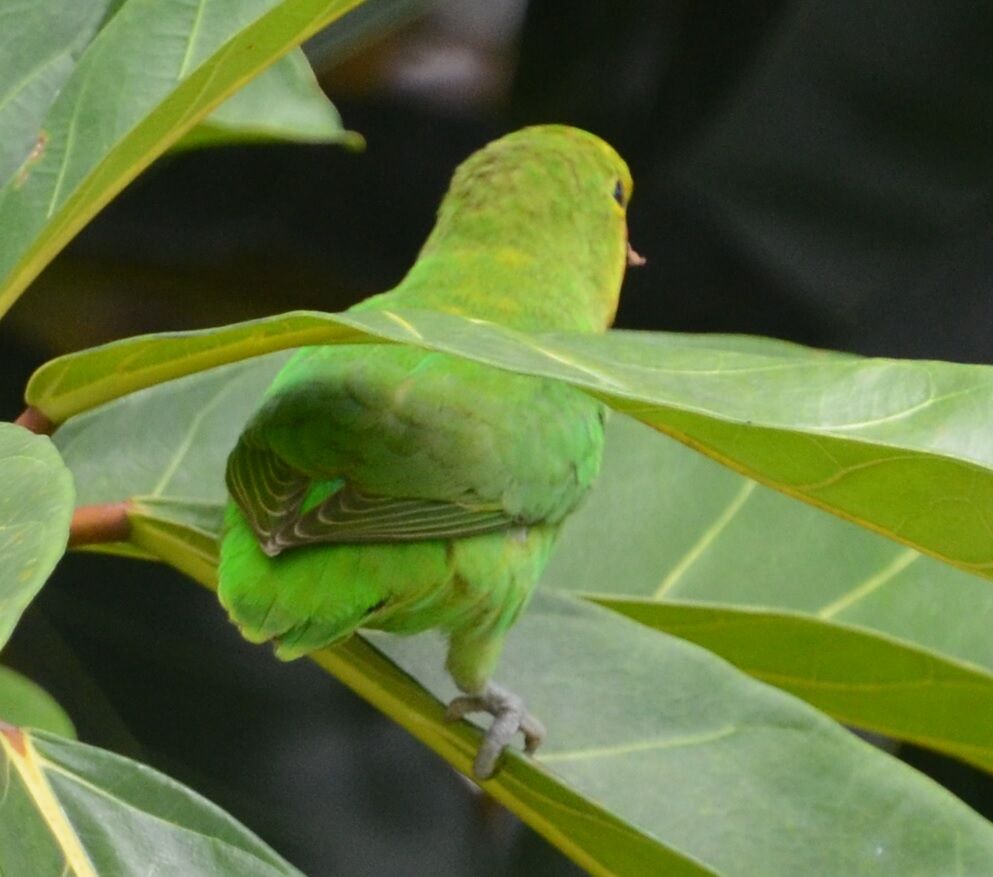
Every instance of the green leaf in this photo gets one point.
(283, 103)
(660, 759)
(726, 771)
(39, 44)
(875, 634)
(24, 703)
(73, 809)
(860, 676)
(599, 840)
(155, 69)
(36, 498)
(742, 570)
(77, 382)
(897, 446)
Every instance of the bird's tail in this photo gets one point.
(301, 600)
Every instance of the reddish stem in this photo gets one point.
(92, 524)
(31, 418)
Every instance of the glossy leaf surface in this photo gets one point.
(633, 714)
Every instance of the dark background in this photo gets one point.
(818, 171)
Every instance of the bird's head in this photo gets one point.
(552, 200)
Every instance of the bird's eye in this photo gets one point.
(619, 193)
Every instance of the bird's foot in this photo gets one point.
(509, 717)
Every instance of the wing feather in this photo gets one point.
(392, 444)
(349, 515)
(270, 493)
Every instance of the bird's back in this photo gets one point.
(394, 421)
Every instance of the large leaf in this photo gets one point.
(728, 774)
(659, 756)
(24, 703)
(876, 634)
(36, 499)
(155, 69)
(72, 809)
(900, 447)
(683, 544)
(39, 44)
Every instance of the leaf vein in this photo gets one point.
(870, 585)
(183, 448)
(659, 744)
(191, 42)
(706, 539)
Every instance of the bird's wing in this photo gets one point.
(384, 444)
(268, 490)
(270, 493)
(351, 516)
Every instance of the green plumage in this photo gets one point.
(389, 487)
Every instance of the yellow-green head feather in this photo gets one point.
(532, 233)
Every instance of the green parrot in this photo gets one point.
(389, 487)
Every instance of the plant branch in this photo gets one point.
(92, 524)
(33, 419)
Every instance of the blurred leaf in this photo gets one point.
(36, 499)
(366, 24)
(28, 705)
(75, 809)
(871, 226)
(39, 44)
(898, 446)
(154, 70)
(283, 103)
(659, 754)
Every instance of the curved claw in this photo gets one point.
(509, 717)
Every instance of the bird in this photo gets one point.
(389, 487)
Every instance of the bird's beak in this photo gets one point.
(634, 259)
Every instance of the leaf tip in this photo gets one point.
(353, 141)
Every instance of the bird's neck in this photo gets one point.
(510, 287)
